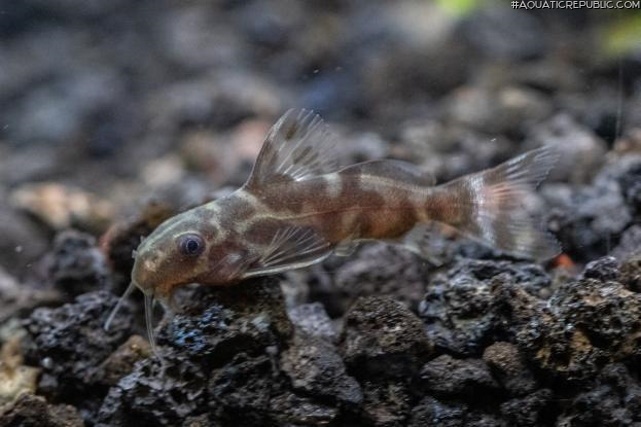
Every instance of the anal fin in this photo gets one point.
(425, 240)
(346, 248)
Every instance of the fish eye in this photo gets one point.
(191, 244)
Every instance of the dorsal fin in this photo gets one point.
(297, 147)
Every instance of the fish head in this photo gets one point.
(185, 249)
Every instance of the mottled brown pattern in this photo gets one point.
(291, 131)
(377, 211)
(261, 230)
(206, 214)
(443, 206)
(236, 208)
(296, 207)
(281, 199)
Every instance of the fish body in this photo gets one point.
(298, 207)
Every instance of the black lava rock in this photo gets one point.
(373, 271)
(156, 393)
(314, 367)
(312, 319)
(222, 322)
(431, 411)
(34, 411)
(585, 325)
(448, 377)
(614, 400)
(459, 308)
(509, 369)
(603, 269)
(631, 273)
(630, 182)
(76, 264)
(589, 220)
(233, 358)
(387, 402)
(69, 344)
(383, 339)
(532, 410)
(241, 391)
(629, 245)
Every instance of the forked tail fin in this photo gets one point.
(489, 205)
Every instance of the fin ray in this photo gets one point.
(491, 205)
(291, 247)
(300, 145)
(346, 248)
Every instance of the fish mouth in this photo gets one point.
(144, 272)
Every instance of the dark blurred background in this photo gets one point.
(105, 104)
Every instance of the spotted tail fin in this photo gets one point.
(489, 205)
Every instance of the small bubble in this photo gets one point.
(18, 249)
(47, 363)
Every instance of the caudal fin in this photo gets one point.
(489, 205)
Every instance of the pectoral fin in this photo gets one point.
(291, 247)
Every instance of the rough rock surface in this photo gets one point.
(116, 115)
(383, 339)
(587, 324)
(76, 265)
(458, 309)
(34, 411)
(590, 219)
(69, 344)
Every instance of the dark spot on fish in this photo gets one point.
(305, 155)
(291, 131)
(407, 211)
